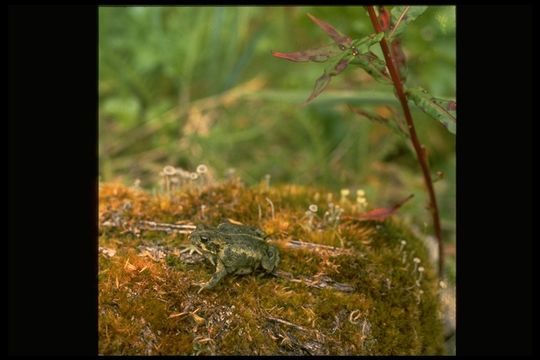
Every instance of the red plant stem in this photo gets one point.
(418, 148)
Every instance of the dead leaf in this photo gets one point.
(338, 37)
(199, 320)
(380, 214)
(107, 252)
(320, 54)
(129, 266)
(175, 315)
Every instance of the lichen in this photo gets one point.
(148, 301)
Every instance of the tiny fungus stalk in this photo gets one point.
(418, 148)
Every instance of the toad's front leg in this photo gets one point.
(191, 248)
(216, 278)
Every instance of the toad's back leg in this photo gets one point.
(216, 278)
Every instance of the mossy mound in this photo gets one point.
(148, 301)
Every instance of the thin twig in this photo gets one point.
(152, 225)
(285, 322)
(298, 244)
(271, 206)
(418, 148)
(320, 282)
(399, 20)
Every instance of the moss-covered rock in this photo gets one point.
(148, 301)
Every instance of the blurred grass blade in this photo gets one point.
(373, 117)
(243, 60)
(402, 16)
(439, 109)
(391, 123)
(331, 97)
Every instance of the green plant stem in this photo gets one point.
(418, 148)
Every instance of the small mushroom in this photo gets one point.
(344, 194)
(168, 171)
(402, 245)
(420, 273)
(416, 262)
(202, 171)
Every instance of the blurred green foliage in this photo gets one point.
(183, 86)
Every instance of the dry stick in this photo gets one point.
(323, 282)
(152, 225)
(418, 148)
(285, 322)
(155, 226)
(399, 20)
(299, 244)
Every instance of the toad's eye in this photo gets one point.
(204, 238)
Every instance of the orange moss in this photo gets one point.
(148, 301)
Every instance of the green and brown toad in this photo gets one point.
(234, 249)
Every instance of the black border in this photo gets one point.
(53, 167)
(494, 180)
(52, 174)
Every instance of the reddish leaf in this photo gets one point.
(399, 57)
(338, 37)
(384, 18)
(379, 214)
(341, 65)
(316, 55)
(323, 81)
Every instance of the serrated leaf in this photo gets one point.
(338, 37)
(321, 54)
(402, 16)
(367, 60)
(439, 109)
(357, 50)
(323, 81)
(362, 45)
(374, 66)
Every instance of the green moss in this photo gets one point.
(148, 302)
